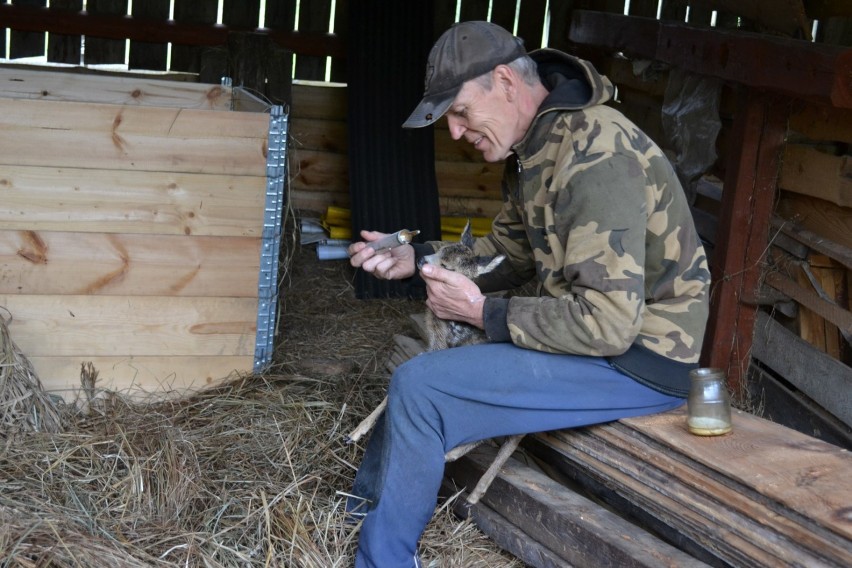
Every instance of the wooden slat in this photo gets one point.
(119, 121)
(822, 122)
(807, 479)
(23, 146)
(507, 536)
(319, 134)
(824, 246)
(48, 262)
(139, 376)
(574, 528)
(761, 496)
(120, 27)
(840, 317)
(824, 379)
(312, 100)
(104, 201)
(126, 325)
(817, 216)
(808, 171)
(796, 67)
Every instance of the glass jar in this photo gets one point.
(708, 403)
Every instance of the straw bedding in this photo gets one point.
(250, 473)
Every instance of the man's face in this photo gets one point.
(485, 118)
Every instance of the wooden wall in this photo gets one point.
(130, 228)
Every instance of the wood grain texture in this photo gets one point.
(804, 477)
(90, 200)
(60, 263)
(17, 83)
(44, 326)
(139, 377)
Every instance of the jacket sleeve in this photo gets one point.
(596, 297)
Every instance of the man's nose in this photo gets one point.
(456, 127)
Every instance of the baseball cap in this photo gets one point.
(463, 52)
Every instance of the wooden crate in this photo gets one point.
(132, 215)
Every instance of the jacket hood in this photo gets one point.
(573, 83)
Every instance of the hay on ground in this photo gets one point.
(250, 473)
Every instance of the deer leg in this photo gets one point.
(506, 450)
(367, 423)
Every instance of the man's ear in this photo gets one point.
(504, 78)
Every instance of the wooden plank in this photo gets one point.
(806, 479)
(833, 250)
(826, 309)
(117, 26)
(784, 16)
(824, 379)
(820, 217)
(796, 67)
(318, 134)
(747, 206)
(100, 49)
(312, 100)
(574, 528)
(507, 536)
(822, 122)
(731, 520)
(54, 263)
(790, 407)
(144, 54)
(26, 43)
(696, 520)
(808, 171)
(531, 23)
(24, 146)
(313, 17)
(112, 201)
(188, 57)
(126, 325)
(62, 48)
(313, 170)
(118, 121)
(139, 376)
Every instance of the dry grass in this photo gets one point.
(251, 473)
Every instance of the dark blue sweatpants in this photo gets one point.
(441, 399)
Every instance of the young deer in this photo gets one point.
(444, 334)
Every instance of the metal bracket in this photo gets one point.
(267, 286)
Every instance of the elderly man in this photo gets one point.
(593, 211)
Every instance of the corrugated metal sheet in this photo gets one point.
(392, 170)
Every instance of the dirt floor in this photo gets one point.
(251, 473)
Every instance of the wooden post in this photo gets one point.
(759, 128)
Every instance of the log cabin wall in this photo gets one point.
(807, 193)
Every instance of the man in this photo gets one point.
(594, 212)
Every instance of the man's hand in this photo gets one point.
(390, 264)
(453, 296)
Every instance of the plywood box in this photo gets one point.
(139, 226)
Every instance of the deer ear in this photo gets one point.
(467, 235)
(487, 265)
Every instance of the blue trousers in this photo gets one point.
(441, 399)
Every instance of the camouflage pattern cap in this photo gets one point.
(464, 52)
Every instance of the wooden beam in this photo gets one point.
(566, 523)
(763, 495)
(795, 67)
(825, 379)
(66, 22)
(747, 205)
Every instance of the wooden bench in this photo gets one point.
(763, 495)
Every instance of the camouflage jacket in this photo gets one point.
(594, 211)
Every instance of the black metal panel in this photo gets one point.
(392, 170)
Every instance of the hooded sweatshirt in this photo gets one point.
(593, 210)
